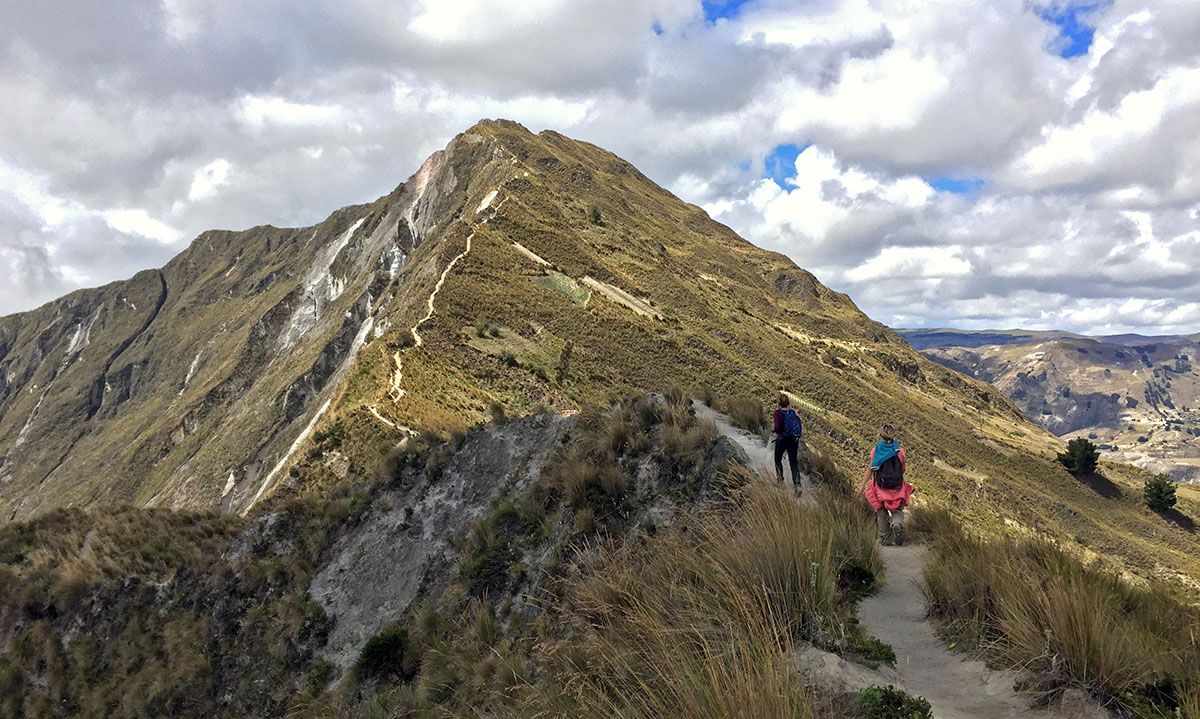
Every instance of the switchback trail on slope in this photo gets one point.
(955, 686)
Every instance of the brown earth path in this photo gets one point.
(957, 687)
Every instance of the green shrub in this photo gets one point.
(888, 702)
(331, 434)
(1159, 493)
(563, 367)
(868, 650)
(1081, 457)
(318, 676)
(486, 568)
(388, 655)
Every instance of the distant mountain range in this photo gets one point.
(921, 338)
(1137, 396)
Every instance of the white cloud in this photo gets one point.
(827, 200)
(257, 112)
(136, 221)
(476, 20)
(909, 263)
(209, 179)
(1106, 140)
(115, 149)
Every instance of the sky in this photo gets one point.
(966, 163)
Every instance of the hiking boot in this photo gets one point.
(898, 536)
(886, 540)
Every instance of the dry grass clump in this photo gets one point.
(746, 412)
(705, 623)
(51, 561)
(1070, 624)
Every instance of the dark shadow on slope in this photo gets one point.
(1101, 485)
(1179, 519)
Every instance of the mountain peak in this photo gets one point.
(202, 384)
(512, 272)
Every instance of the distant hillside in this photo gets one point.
(1136, 396)
(922, 339)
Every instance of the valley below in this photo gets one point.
(1136, 397)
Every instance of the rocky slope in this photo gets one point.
(191, 385)
(1138, 397)
(149, 612)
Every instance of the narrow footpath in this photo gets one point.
(759, 451)
(955, 686)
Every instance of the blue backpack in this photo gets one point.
(792, 426)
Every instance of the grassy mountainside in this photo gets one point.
(483, 575)
(440, 498)
(531, 271)
(1137, 397)
(694, 304)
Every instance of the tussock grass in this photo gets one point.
(705, 623)
(746, 412)
(52, 562)
(1033, 606)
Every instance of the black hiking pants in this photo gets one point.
(791, 445)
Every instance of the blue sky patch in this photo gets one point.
(1075, 35)
(956, 185)
(780, 163)
(715, 10)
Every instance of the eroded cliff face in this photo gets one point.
(376, 572)
(192, 385)
(144, 611)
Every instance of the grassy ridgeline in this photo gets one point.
(1032, 606)
(640, 574)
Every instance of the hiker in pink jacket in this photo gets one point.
(886, 490)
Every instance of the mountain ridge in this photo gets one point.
(271, 369)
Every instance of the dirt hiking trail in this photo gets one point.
(759, 452)
(956, 687)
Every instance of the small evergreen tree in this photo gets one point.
(1081, 457)
(1159, 493)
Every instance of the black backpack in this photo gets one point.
(890, 474)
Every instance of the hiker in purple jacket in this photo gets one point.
(788, 428)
